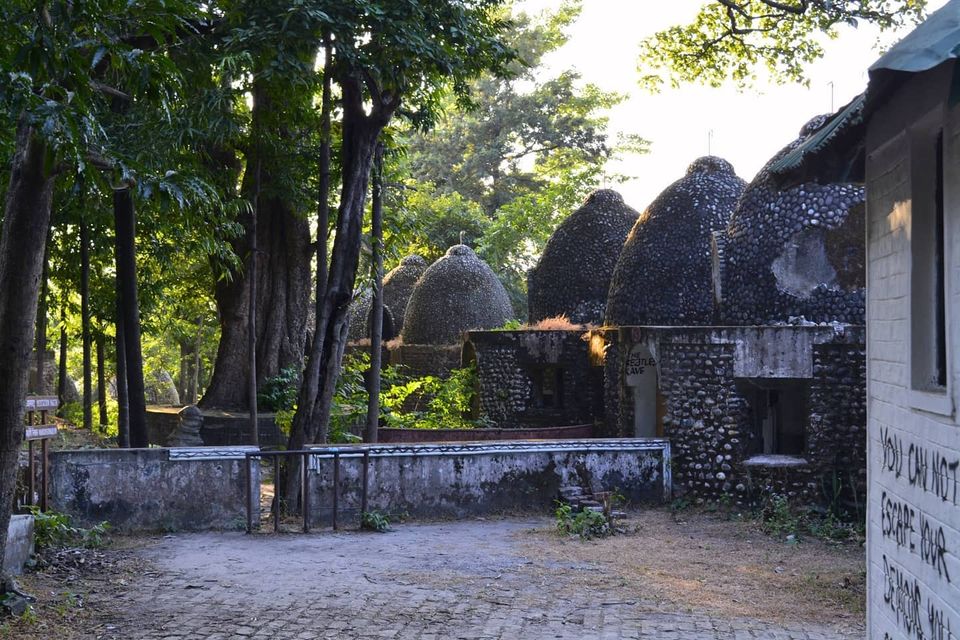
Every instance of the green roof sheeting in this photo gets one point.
(838, 144)
(851, 115)
(936, 40)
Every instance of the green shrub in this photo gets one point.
(279, 393)
(427, 402)
(585, 524)
(72, 412)
(777, 518)
(52, 529)
(375, 521)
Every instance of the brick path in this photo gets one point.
(429, 582)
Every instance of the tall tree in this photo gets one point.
(50, 95)
(507, 171)
(385, 54)
(269, 50)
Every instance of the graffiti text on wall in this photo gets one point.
(905, 525)
(925, 468)
(904, 595)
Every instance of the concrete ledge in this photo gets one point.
(467, 479)
(151, 489)
(19, 544)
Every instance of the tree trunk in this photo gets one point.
(376, 311)
(323, 191)
(62, 362)
(85, 323)
(126, 252)
(360, 133)
(282, 280)
(40, 384)
(26, 223)
(195, 369)
(183, 379)
(253, 432)
(123, 398)
(102, 380)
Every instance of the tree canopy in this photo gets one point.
(733, 40)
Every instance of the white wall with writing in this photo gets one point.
(913, 527)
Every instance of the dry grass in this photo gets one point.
(78, 595)
(700, 561)
(558, 323)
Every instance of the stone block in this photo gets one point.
(19, 544)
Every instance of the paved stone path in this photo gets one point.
(427, 581)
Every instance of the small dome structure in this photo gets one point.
(359, 323)
(663, 275)
(398, 285)
(457, 293)
(572, 276)
(794, 252)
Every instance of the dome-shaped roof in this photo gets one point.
(572, 276)
(457, 293)
(397, 286)
(399, 282)
(794, 252)
(663, 275)
(359, 312)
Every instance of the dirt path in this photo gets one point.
(511, 578)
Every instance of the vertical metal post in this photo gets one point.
(336, 485)
(44, 469)
(32, 473)
(305, 493)
(276, 493)
(249, 493)
(363, 490)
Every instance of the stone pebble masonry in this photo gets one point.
(794, 252)
(663, 274)
(573, 275)
(457, 293)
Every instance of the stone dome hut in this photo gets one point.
(361, 310)
(663, 276)
(398, 286)
(572, 276)
(359, 323)
(793, 252)
(456, 293)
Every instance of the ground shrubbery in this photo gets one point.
(53, 530)
(426, 402)
(778, 517)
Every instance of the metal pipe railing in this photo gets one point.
(305, 455)
(365, 453)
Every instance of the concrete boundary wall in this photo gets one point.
(152, 489)
(470, 479)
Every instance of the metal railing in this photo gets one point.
(335, 454)
(305, 455)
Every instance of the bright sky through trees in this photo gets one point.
(746, 128)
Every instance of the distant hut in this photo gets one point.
(663, 275)
(572, 277)
(456, 293)
(398, 287)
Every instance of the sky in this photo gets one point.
(745, 127)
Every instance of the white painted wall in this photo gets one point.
(913, 513)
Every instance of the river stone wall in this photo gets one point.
(702, 373)
(793, 252)
(511, 371)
